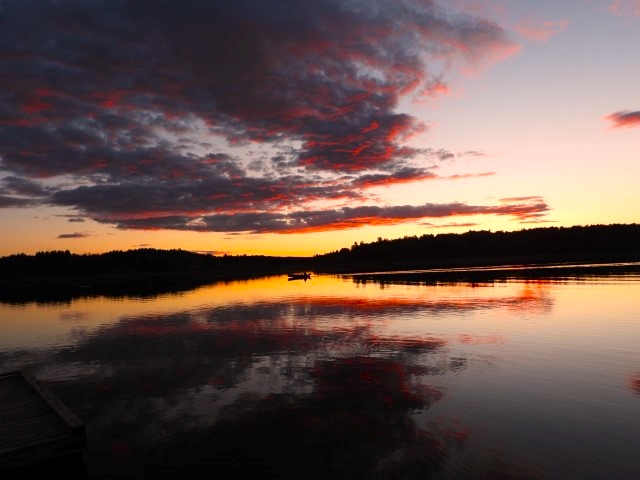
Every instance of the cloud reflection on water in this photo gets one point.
(213, 384)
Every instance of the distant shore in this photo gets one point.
(466, 262)
(60, 287)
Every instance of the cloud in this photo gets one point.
(540, 30)
(533, 198)
(7, 201)
(403, 175)
(22, 186)
(191, 114)
(625, 7)
(74, 235)
(76, 220)
(624, 119)
(472, 153)
(538, 222)
(455, 224)
(305, 221)
(468, 175)
(19, 192)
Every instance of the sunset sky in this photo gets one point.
(290, 127)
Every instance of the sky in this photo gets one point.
(285, 127)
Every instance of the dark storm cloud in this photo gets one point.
(121, 99)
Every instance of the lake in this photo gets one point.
(376, 376)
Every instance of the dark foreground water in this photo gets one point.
(388, 377)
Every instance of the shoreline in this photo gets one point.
(65, 287)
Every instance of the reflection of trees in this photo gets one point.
(534, 295)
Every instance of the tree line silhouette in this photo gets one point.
(594, 242)
(58, 276)
(138, 261)
(614, 242)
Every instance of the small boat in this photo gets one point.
(299, 276)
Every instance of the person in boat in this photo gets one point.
(304, 275)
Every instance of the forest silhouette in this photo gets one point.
(151, 270)
(616, 242)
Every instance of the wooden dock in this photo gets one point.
(35, 426)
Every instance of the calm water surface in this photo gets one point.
(346, 378)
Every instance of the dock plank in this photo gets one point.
(35, 426)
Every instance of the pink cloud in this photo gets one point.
(624, 119)
(469, 175)
(625, 7)
(540, 30)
